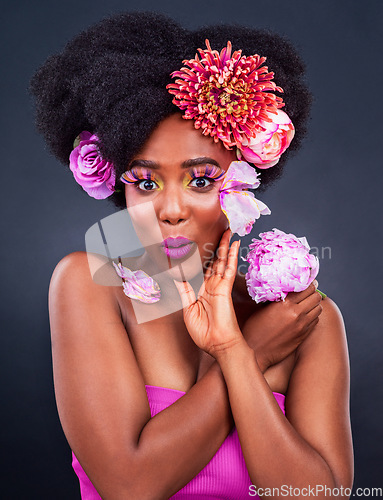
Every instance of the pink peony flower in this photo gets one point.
(240, 206)
(266, 147)
(94, 174)
(138, 285)
(279, 263)
(228, 96)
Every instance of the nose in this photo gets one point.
(172, 206)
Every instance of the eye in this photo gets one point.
(200, 182)
(147, 185)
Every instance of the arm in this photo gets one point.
(313, 445)
(102, 401)
(278, 450)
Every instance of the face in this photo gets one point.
(173, 192)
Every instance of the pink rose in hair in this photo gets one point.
(279, 263)
(265, 149)
(94, 174)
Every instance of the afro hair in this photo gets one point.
(111, 80)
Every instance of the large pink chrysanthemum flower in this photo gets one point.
(226, 95)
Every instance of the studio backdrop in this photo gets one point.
(330, 192)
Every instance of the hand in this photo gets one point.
(276, 329)
(211, 319)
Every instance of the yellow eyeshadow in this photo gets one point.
(211, 171)
(137, 174)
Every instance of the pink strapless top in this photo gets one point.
(225, 477)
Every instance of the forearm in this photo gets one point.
(274, 452)
(179, 441)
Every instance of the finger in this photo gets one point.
(311, 326)
(313, 314)
(215, 264)
(201, 291)
(222, 253)
(209, 270)
(232, 262)
(297, 297)
(310, 302)
(186, 293)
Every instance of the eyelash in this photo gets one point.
(209, 172)
(136, 177)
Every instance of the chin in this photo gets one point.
(188, 269)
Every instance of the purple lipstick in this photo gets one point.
(177, 248)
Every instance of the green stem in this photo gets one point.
(323, 294)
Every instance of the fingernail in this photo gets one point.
(315, 283)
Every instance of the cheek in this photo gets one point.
(144, 218)
(210, 216)
(129, 196)
(135, 197)
(212, 223)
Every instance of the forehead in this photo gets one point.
(175, 140)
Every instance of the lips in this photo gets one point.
(177, 248)
(176, 242)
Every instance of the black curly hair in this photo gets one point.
(111, 80)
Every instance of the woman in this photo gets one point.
(169, 386)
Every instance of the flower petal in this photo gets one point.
(138, 285)
(94, 174)
(279, 263)
(229, 96)
(240, 175)
(266, 147)
(242, 209)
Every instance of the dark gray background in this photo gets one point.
(330, 193)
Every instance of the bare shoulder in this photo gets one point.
(331, 315)
(84, 267)
(85, 270)
(328, 336)
(81, 288)
(78, 259)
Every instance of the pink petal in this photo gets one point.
(240, 175)
(99, 193)
(242, 209)
(281, 118)
(267, 164)
(279, 263)
(138, 285)
(250, 155)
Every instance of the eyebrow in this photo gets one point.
(185, 164)
(199, 161)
